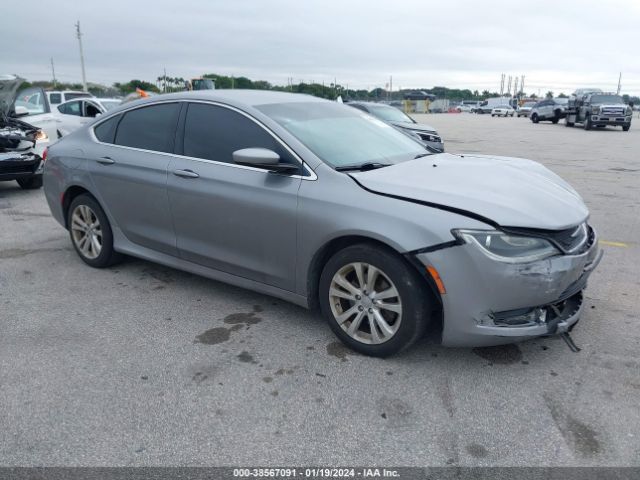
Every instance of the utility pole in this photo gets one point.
(522, 84)
(501, 84)
(509, 87)
(164, 82)
(79, 35)
(391, 86)
(53, 71)
(619, 80)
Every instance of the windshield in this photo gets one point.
(341, 135)
(389, 114)
(606, 99)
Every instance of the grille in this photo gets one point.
(571, 240)
(612, 111)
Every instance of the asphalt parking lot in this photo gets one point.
(144, 365)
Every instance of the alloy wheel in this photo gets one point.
(86, 231)
(365, 303)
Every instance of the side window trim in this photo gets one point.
(307, 172)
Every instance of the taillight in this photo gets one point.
(44, 154)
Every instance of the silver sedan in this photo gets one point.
(327, 207)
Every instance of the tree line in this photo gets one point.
(329, 91)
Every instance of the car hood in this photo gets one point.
(9, 85)
(510, 192)
(418, 127)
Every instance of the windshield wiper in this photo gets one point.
(362, 167)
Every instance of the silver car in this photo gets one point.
(325, 206)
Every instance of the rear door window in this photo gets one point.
(55, 98)
(149, 128)
(71, 108)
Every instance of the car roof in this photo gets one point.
(370, 104)
(251, 98)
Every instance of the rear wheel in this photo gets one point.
(374, 301)
(534, 118)
(91, 233)
(30, 183)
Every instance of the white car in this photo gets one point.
(502, 111)
(57, 97)
(74, 114)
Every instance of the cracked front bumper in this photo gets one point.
(488, 302)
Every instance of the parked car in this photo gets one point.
(56, 97)
(73, 114)
(550, 109)
(22, 144)
(503, 111)
(325, 206)
(426, 134)
(598, 109)
(525, 109)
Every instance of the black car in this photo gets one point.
(424, 133)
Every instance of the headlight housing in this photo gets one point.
(595, 109)
(41, 136)
(508, 248)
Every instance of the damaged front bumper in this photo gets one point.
(14, 166)
(488, 302)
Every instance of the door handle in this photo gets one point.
(186, 173)
(106, 160)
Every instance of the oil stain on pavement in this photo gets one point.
(237, 321)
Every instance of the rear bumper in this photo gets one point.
(488, 302)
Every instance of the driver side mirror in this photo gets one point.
(262, 158)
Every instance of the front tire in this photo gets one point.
(587, 123)
(534, 118)
(625, 128)
(91, 233)
(30, 183)
(374, 301)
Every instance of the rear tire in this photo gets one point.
(30, 183)
(389, 302)
(534, 118)
(90, 232)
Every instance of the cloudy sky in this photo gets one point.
(558, 45)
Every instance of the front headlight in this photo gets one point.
(508, 248)
(430, 138)
(41, 136)
(595, 109)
